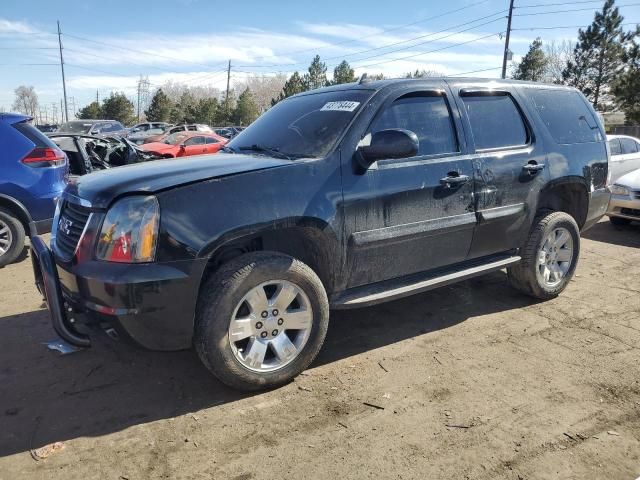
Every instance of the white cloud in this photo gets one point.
(9, 26)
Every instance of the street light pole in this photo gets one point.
(64, 84)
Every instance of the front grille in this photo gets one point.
(71, 223)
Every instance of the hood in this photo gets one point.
(631, 180)
(102, 187)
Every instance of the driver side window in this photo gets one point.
(425, 114)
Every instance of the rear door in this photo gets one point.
(508, 164)
(629, 159)
(401, 217)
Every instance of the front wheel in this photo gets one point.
(549, 256)
(261, 320)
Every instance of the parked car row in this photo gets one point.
(624, 168)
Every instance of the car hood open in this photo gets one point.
(101, 188)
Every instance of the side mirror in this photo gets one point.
(183, 145)
(387, 144)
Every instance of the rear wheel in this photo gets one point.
(11, 237)
(549, 256)
(261, 320)
(619, 221)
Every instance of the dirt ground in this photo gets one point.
(469, 381)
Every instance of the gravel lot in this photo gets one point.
(469, 381)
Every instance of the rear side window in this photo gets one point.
(427, 116)
(495, 121)
(566, 116)
(211, 140)
(195, 141)
(614, 146)
(36, 136)
(628, 146)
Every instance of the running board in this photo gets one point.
(403, 287)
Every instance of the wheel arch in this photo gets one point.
(17, 208)
(310, 240)
(567, 194)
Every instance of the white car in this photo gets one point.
(625, 155)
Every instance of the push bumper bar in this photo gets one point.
(48, 283)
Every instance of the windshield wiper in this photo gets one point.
(272, 151)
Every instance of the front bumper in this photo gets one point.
(624, 206)
(151, 304)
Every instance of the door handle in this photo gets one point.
(533, 168)
(454, 180)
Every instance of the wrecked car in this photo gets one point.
(340, 197)
(88, 153)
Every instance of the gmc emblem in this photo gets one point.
(64, 225)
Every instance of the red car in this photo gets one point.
(184, 144)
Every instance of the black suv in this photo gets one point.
(340, 197)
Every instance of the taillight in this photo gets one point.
(44, 157)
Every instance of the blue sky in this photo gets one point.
(109, 44)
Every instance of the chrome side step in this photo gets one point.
(399, 288)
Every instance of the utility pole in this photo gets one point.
(506, 41)
(64, 84)
(97, 97)
(227, 97)
(139, 86)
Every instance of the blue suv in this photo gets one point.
(33, 174)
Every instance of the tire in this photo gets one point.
(11, 237)
(528, 276)
(618, 221)
(229, 295)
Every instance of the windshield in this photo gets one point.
(306, 126)
(75, 127)
(176, 138)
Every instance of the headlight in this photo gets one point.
(130, 231)
(619, 190)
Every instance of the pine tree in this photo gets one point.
(533, 66)
(343, 73)
(91, 111)
(246, 110)
(207, 110)
(317, 76)
(597, 57)
(160, 107)
(626, 88)
(118, 107)
(294, 85)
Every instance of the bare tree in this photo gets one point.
(557, 54)
(26, 100)
(263, 88)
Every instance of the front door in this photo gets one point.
(409, 215)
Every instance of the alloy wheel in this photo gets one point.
(270, 326)
(555, 257)
(6, 238)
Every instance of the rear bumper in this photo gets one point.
(624, 207)
(151, 304)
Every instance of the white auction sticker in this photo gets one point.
(344, 106)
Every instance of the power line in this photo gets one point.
(565, 26)
(474, 71)
(567, 11)
(142, 52)
(400, 42)
(28, 64)
(429, 51)
(28, 48)
(561, 4)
